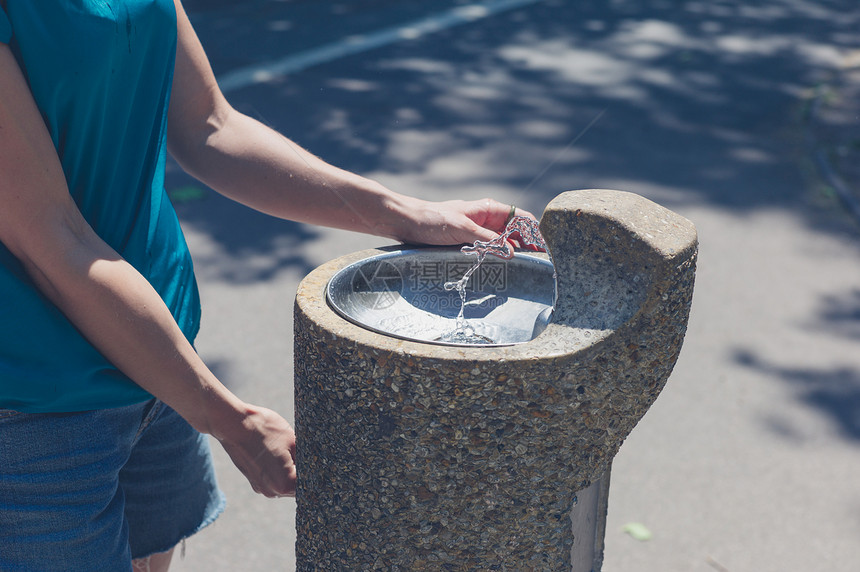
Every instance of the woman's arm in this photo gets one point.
(252, 164)
(110, 302)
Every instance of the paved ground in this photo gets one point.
(717, 109)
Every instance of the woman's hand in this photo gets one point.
(457, 221)
(262, 445)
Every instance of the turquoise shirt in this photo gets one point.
(100, 72)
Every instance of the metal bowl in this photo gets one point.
(402, 294)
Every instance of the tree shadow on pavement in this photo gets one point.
(834, 392)
(840, 315)
(701, 100)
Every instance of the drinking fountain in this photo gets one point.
(491, 451)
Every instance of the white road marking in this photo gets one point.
(267, 71)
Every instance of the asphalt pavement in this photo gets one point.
(736, 115)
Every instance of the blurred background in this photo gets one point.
(741, 116)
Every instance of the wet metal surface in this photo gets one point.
(402, 294)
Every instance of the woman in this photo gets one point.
(104, 404)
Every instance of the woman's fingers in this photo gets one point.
(263, 448)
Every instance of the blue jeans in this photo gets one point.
(93, 490)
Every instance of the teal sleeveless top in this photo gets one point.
(100, 72)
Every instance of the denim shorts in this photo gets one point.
(96, 489)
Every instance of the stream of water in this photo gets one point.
(529, 233)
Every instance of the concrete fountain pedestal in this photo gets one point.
(420, 456)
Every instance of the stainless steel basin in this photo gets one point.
(401, 294)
